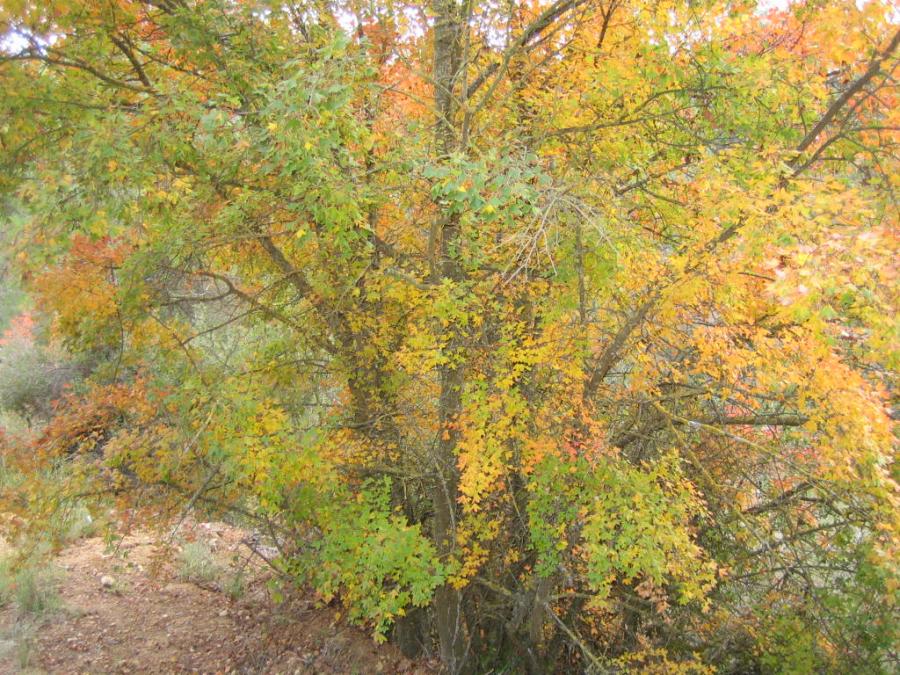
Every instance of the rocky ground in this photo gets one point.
(129, 609)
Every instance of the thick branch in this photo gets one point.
(535, 28)
(871, 71)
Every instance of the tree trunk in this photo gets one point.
(448, 600)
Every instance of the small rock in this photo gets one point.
(107, 581)
(223, 613)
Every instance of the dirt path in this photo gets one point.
(156, 623)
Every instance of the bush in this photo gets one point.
(78, 523)
(31, 376)
(36, 590)
(235, 586)
(18, 644)
(32, 587)
(197, 564)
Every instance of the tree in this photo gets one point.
(557, 332)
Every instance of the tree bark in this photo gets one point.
(449, 618)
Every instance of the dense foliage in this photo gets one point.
(542, 335)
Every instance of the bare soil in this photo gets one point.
(151, 621)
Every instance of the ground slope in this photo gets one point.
(129, 611)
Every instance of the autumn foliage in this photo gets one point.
(541, 336)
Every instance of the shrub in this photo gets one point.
(78, 523)
(33, 587)
(31, 375)
(36, 590)
(18, 644)
(235, 586)
(197, 564)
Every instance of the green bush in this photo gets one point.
(197, 564)
(33, 587)
(235, 585)
(31, 377)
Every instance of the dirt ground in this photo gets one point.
(126, 611)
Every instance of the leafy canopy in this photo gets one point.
(559, 333)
